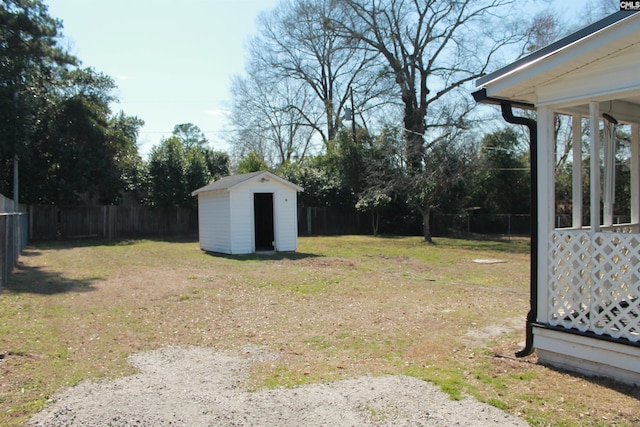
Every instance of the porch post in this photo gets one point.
(576, 193)
(546, 205)
(594, 170)
(608, 178)
(635, 174)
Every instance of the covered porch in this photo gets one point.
(586, 283)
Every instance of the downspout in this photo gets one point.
(507, 113)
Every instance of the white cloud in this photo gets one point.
(218, 112)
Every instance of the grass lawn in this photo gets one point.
(338, 308)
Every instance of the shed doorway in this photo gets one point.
(263, 220)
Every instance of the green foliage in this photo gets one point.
(31, 60)
(252, 163)
(196, 173)
(310, 174)
(381, 166)
(217, 162)
(175, 170)
(202, 163)
(56, 118)
(167, 165)
(332, 179)
(346, 161)
(501, 183)
(77, 150)
(130, 168)
(190, 136)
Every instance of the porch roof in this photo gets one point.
(598, 63)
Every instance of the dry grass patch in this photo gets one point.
(339, 308)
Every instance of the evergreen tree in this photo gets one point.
(501, 182)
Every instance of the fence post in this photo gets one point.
(16, 233)
(5, 269)
(30, 219)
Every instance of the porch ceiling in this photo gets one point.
(626, 109)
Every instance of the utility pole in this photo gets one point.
(15, 155)
(353, 120)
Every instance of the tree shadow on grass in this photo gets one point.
(496, 243)
(81, 243)
(35, 280)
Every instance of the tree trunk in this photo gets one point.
(426, 228)
(375, 220)
(414, 134)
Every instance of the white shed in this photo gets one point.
(585, 278)
(243, 214)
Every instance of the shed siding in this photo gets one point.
(241, 222)
(285, 215)
(213, 220)
(286, 222)
(226, 217)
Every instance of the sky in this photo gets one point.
(173, 61)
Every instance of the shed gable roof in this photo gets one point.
(229, 182)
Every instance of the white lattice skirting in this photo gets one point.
(594, 282)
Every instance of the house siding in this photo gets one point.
(586, 303)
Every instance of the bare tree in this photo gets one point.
(265, 121)
(296, 42)
(432, 48)
(598, 9)
(545, 28)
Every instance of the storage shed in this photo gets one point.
(585, 278)
(248, 213)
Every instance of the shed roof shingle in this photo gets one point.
(231, 181)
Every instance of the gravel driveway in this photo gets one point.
(203, 387)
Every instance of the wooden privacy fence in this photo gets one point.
(325, 221)
(75, 222)
(50, 222)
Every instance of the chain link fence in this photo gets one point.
(13, 238)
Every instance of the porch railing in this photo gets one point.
(594, 281)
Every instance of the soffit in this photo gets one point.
(601, 65)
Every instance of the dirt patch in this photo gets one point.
(478, 337)
(202, 387)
